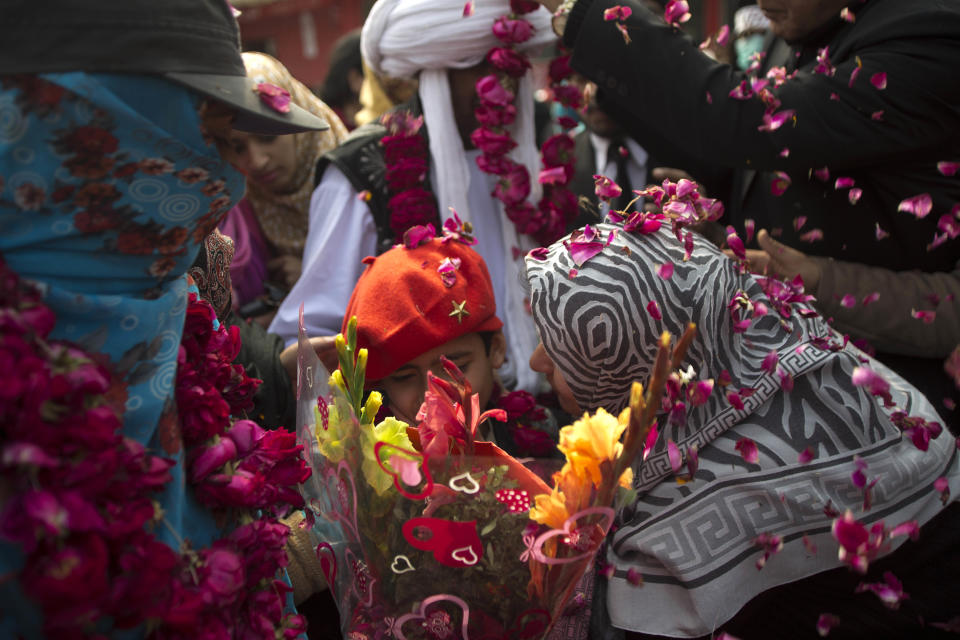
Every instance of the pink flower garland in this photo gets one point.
(558, 207)
(81, 508)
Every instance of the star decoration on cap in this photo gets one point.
(459, 310)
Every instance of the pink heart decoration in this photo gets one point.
(573, 536)
(423, 615)
(328, 564)
(384, 452)
(343, 507)
(454, 544)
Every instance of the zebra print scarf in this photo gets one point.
(694, 543)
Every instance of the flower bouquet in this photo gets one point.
(425, 532)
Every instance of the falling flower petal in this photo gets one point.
(812, 236)
(709, 98)
(871, 298)
(824, 66)
(749, 226)
(688, 245)
(735, 244)
(853, 76)
(877, 115)
(417, 235)
(364, 196)
(785, 152)
(879, 80)
(843, 182)
(673, 453)
(606, 188)
(948, 168)
(748, 450)
(874, 383)
(723, 36)
(617, 13)
(277, 98)
(908, 528)
(771, 545)
(553, 175)
(468, 9)
(798, 222)
(779, 183)
(854, 195)
(805, 456)
(634, 577)
(773, 121)
(919, 205)
(770, 362)
(881, 234)
(676, 12)
(665, 270)
(808, 544)
(927, 317)
(890, 591)
(827, 621)
(734, 399)
(654, 310)
(848, 301)
(822, 174)
(942, 485)
(622, 28)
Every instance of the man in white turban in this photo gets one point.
(444, 47)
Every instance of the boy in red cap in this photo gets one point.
(421, 300)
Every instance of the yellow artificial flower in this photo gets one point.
(591, 441)
(550, 509)
(332, 439)
(391, 431)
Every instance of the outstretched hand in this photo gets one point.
(784, 262)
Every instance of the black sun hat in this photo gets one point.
(194, 43)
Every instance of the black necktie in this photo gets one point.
(620, 161)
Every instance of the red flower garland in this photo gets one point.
(558, 206)
(405, 154)
(80, 506)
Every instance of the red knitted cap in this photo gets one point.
(404, 306)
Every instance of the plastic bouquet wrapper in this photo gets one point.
(424, 532)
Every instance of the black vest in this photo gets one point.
(360, 158)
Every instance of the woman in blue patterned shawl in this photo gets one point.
(821, 440)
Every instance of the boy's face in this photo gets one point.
(406, 386)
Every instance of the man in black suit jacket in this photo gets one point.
(854, 137)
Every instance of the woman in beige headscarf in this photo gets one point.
(269, 225)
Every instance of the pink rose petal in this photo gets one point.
(277, 98)
(812, 236)
(773, 121)
(748, 450)
(468, 9)
(880, 233)
(676, 12)
(665, 270)
(749, 226)
(877, 115)
(879, 80)
(870, 298)
(770, 362)
(735, 244)
(927, 317)
(854, 195)
(723, 36)
(822, 174)
(919, 205)
(827, 621)
(779, 183)
(617, 13)
(948, 168)
(654, 310)
(843, 183)
(805, 456)
(890, 591)
(798, 222)
(553, 175)
(673, 453)
(848, 301)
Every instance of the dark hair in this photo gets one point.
(344, 56)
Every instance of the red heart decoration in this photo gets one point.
(454, 544)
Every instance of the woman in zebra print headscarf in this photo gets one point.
(695, 543)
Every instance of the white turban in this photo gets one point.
(404, 38)
(749, 19)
